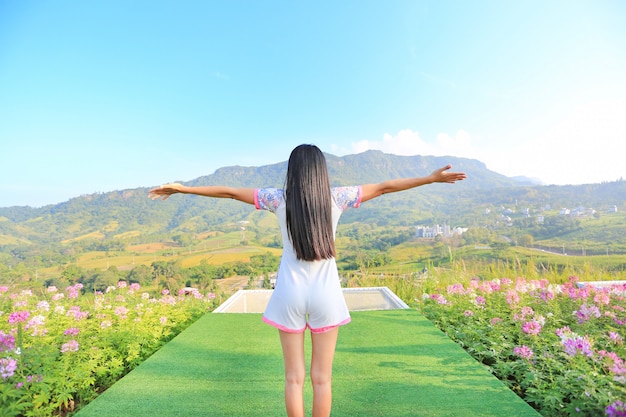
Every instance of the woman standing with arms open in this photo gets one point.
(308, 292)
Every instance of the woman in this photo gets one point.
(308, 292)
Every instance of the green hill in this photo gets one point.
(490, 205)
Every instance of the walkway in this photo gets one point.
(389, 363)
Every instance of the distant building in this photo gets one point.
(429, 232)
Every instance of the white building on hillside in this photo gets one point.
(429, 232)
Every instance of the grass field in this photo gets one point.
(388, 363)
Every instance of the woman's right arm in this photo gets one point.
(163, 192)
(370, 191)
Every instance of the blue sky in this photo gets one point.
(97, 96)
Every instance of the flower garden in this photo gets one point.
(558, 346)
(60, 349)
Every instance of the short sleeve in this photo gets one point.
(347, 197)
(268, 198)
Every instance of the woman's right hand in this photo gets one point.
(164, 191)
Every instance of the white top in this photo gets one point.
(307, 293)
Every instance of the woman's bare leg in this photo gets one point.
(293, 355)
(323, 352)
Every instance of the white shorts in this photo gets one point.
(307, 295)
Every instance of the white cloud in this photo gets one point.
(586, 146)
(408, 142)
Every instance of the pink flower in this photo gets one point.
(163, 320)
(121, 312)
(71, 346)
(7, 367)
(122, 284)
(440, 299)
(72, 331)
(43, 306)
(617, 409)
(616, 364)
(586, 313)
(18, 316)
(78, 315)
(486, 288)
(73, 291)
(602, 298)
(496, 320)
(211, 296)
(512, 297)
(58, 296)
(7, 342)
(563, 332)
(468, 313)
(34, 378)
(165, 292)
(51, 289)
(531, 327)
(168, 299)
(456, 289)
(36, 325)
(546, 295)
(577, 344)
(3, 289)
(134, 286)
(615, 337)
(523, 352)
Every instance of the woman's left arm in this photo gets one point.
(370, 191)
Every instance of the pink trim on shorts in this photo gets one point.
(329, 328)
(283, 328)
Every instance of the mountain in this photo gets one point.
(527, 180)
(126, 213)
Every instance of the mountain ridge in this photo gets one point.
(117, 212)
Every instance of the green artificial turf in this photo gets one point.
(388, 363)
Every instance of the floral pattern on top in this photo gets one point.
(347, 197)
(270, 198)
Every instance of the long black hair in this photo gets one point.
(308, 202)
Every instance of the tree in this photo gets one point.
(141, 274)
(183, 239)
(526, 240)
(101, 280)
(73, 273)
